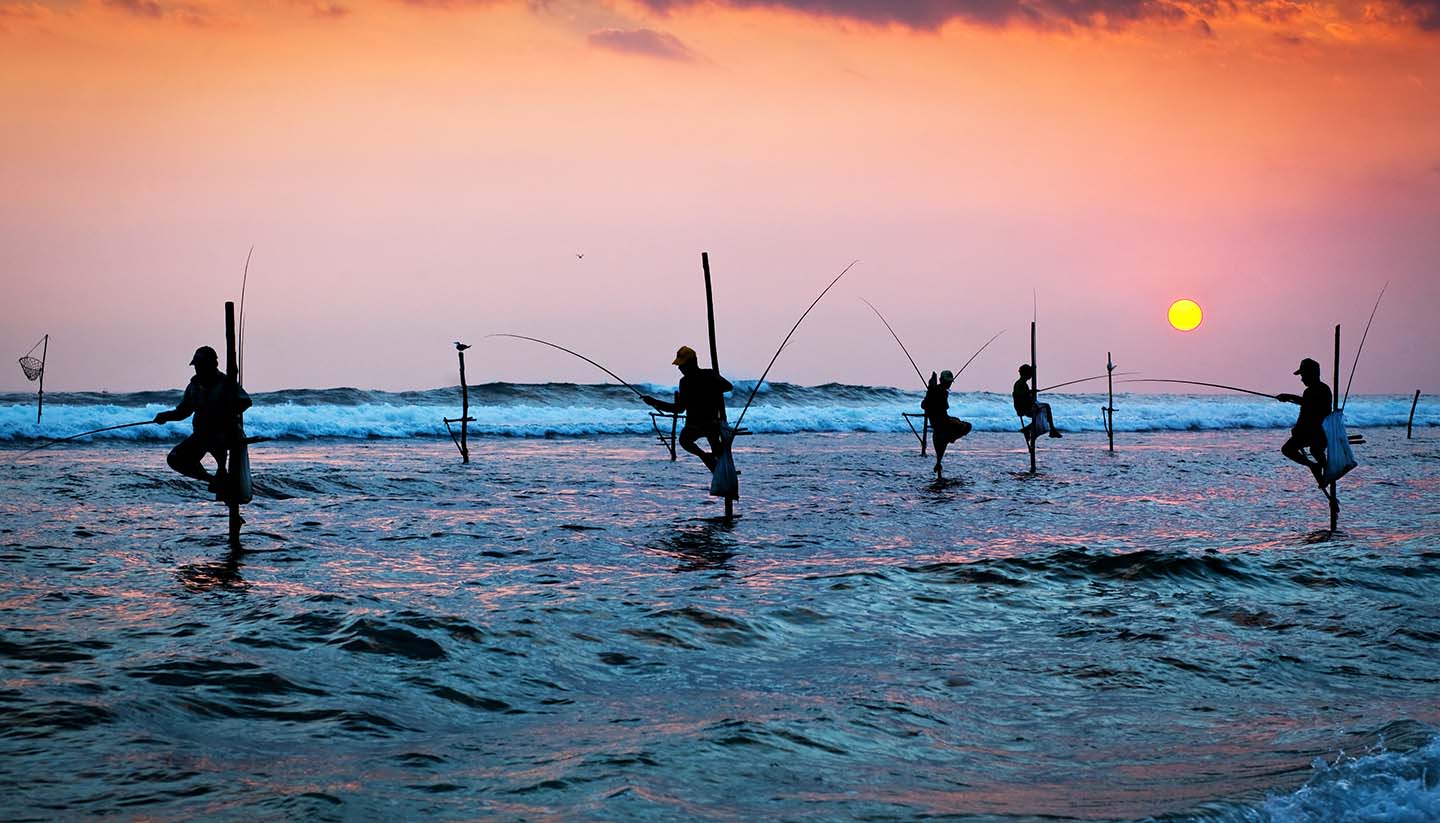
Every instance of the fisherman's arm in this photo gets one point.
(1289, 398)
(180, 412)
(661, 405)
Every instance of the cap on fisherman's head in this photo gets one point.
(204, 355)
(947, 376)
(684, 355)
(1308, 366)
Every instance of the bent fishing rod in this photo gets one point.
(82, 434)
(1361, 347)
(622, 382)
(1085, 380)
(754, 390)
(918, 373)
(1201, 383)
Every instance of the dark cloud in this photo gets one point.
(1425, 13)
(932, 14)
(929, 15)
(647, 42)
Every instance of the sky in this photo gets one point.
(413, 172)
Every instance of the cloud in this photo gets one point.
(155, 10)
(931, 15)
(647, 42)
(323, 9)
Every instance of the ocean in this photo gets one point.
(566, 629)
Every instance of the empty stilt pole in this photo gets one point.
(1411, 422)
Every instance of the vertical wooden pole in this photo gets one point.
(1411, 422)
(714, 357)
(40, 396)
(1110, 411)
(464, 413)
(1034, 393)
(232, 368)
(1335, 406)
(924, 433)
(674, 424)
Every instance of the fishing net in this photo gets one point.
(33, 368)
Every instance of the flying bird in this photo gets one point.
(579, 257)
(461, 346)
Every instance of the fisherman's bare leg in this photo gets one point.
(688, 436)
(1294, 449)
(185, 458)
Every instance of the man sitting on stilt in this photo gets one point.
(944, 428)
(1309, 429)
(701, 395)
(1027, 405)
(214, 399)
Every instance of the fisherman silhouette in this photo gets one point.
(214, 399)
(944, 428)
(1309, 431)
(701, 395)
(1027, 405)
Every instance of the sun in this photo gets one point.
(1185, 315)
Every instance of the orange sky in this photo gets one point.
(415, 172)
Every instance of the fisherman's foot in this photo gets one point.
(1319, 475)
(1054, 433)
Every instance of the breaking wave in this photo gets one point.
(574, 410)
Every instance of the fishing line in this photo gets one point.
(576, 354)
(1361, 347)
(897, 340)
(82, 434)
(783, 343)
(1199, 383)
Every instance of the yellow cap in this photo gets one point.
(683, 355)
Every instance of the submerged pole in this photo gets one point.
(40, 394)
(232, 370)
(1110, 411)
(714, 356)
(464, 413)
(1335, 406)
(1411, 422)
(1034, 394)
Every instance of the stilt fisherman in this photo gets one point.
(701, 396)
(1027, 404)
(214, 399)
(1309, 429)
(944, 428)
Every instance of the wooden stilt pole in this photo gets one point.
(924, 433)
(232, 369)
(1110, 408)
(1034, 386)
(40, 395)
(714, 357)
(1335, 406)
(1411, 422)
(464, 413)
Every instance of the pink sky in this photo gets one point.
(412, 173)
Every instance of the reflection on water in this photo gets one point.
(569, 630)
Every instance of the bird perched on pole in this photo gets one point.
(461, 346)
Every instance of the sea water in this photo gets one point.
(567, 629)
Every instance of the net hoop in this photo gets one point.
(33, 368)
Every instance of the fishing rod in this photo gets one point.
(897, 340)
(576, 354)
(82, 434)
(977, 353)
(1200, 383)
(1084, 380)
(783, 343)
(1361, 347)
(240, 352)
